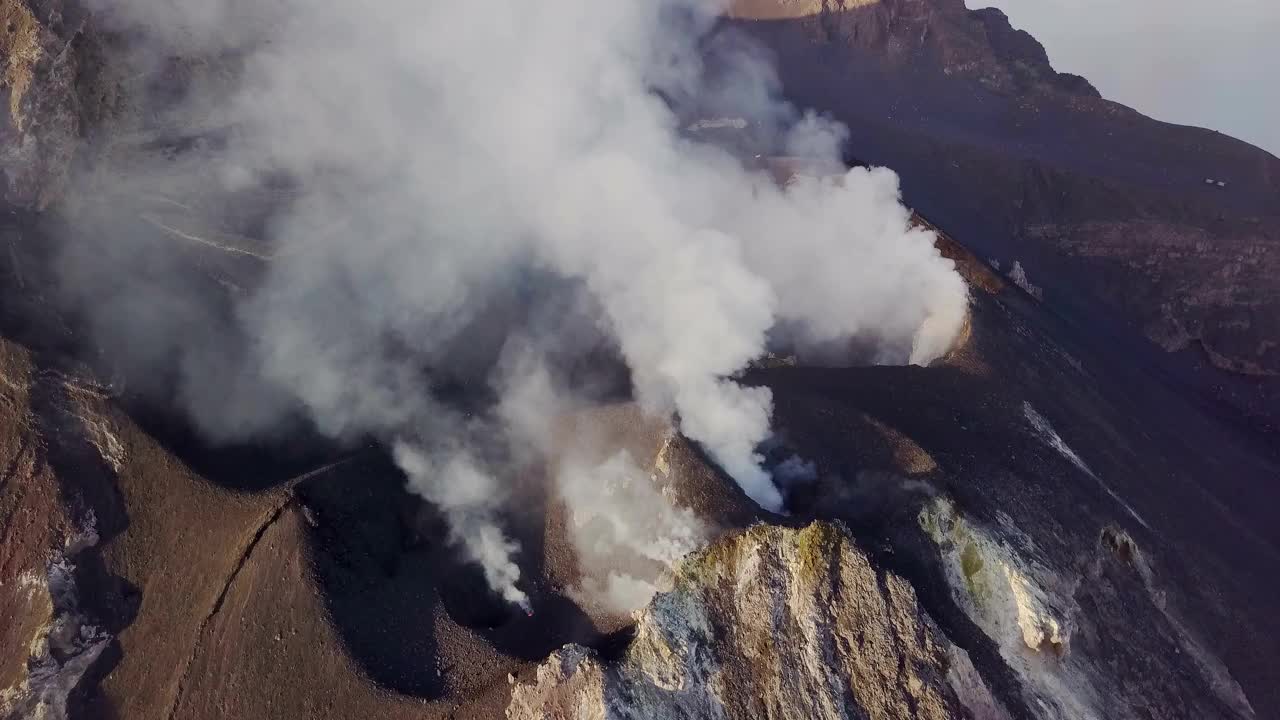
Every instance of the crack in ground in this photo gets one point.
(293, 482)
(244, 559)
(270, 520)
(175, 232)
(252, 545)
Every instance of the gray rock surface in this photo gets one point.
(774, 622)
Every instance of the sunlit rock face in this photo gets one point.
(1087, 640)
(801, 623)
(788, 9)
(856, 644)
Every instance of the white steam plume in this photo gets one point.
(625, 532)
(469, 498)
(460, 169)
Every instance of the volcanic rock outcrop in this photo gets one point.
(774, 622)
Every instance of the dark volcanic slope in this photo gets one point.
(1200, 510)
(1109, 211)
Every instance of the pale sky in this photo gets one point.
(1211, 63)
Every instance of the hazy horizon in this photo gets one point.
(1179, 61)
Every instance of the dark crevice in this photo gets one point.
(244, 558)
(272, 517)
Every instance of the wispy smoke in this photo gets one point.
(469, 497)
(462, 208)
(625, 532)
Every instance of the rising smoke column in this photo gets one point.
(442, 153)
(468, 496)
(624, 531)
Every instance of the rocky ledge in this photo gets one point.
(857, 643)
